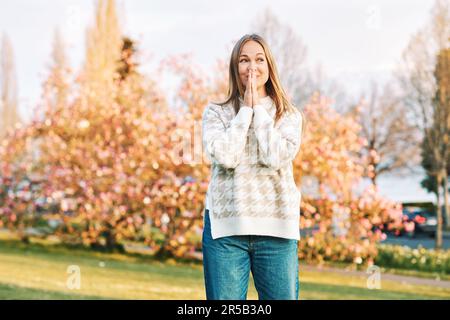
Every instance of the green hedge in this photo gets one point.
(421, 259)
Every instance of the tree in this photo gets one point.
(57, 85)
(442, 100)
(346, 221)
(392, 140)
(127, 64)
(422, 72)
(130, 78)
(103, 51)
(429, 182)
(9, 114)
(438, 168)
(331, 153)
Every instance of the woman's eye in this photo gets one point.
(245, 60)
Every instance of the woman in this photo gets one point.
(251, 220)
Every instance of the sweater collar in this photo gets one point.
(266, 101)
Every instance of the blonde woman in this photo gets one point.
(251, 220)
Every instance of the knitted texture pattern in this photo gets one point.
(252, 188)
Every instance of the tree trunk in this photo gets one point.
(374, 180)
(438, 244)
(446, 204)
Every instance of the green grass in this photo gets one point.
(40, 272)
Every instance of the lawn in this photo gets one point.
(40, 272)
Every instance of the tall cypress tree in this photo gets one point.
(103, 51)
(9, 114)
(57, 84)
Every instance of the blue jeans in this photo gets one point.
(227, 263)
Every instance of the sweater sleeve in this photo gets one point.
(222, 144)
(277, 146)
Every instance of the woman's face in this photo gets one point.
(253, 57)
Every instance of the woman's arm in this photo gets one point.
(225, 145)
(277, 146)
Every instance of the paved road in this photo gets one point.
(384, 276)
(424, 241)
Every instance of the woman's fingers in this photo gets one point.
(248, 92)
(254, 90)
(252, 86)
(253, 83)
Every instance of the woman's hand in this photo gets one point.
(251, 97)
(248, 99)
(254, 88)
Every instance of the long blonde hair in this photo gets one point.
(273, 85)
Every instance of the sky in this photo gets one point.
(353, 40)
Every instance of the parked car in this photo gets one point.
(424, 221)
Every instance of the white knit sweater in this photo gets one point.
(252, 189)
